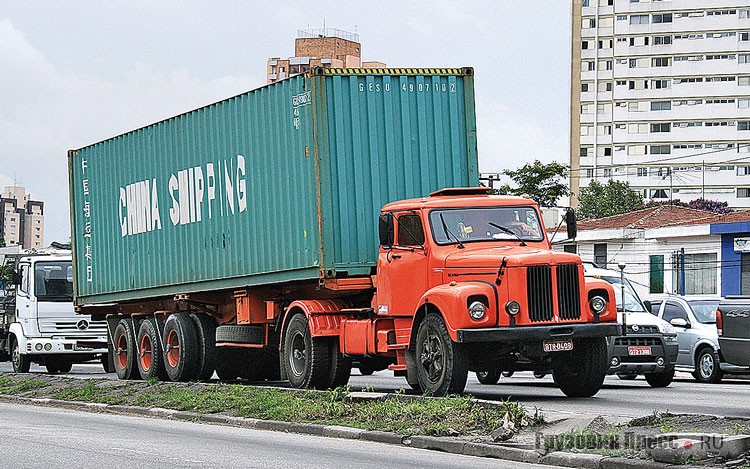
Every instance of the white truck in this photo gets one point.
(37, 321)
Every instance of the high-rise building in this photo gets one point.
(329, 48)
(21, 219)
(660, 97)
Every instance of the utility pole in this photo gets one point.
(703, 183)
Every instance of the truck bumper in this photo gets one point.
(663, 354)
(538, 333)
(58, 346)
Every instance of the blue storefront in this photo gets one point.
(735, 251)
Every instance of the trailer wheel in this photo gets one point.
(205, 327)
(306, 358)
(126, 355)
(21, 363)
(581, 372)
(442, 365)
(489, 377)
(181, 348)
(150, 360)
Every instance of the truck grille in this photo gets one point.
(539, 292)
(568, 293)
(72, 327)
(634, 341)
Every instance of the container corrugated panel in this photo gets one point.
(279, 184)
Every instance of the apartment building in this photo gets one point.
(660, 97)
(328, 47)
(21, 219)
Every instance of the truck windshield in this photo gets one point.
(633, 303)
(53, 281)
(475, 224)
(704, 310)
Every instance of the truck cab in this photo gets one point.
(476, 286)
(38, 319)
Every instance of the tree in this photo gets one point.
(542, 182)
(599, 200)
(713, 206)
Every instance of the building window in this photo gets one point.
(584, 152)
(589, 23)
(661, 84)
(638, 19)
(661, 62)
(584, 87)
(636, 128)
(656, 274)
(661, 18)
(660, 149)
(636, 150)
(607, 172)
(700, 272)
(745, 36)
(743, 192)
(589, 172)
(743, 81)
(743, 103)
(662, 40)
(743, 58)
(743, 170)
(743, 125)
(600, 255)
(659, 193)
(585, 45)
(661, 105)
(661, 127)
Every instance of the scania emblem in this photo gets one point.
(635, 327)
(82, 325)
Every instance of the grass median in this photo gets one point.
(449, 416)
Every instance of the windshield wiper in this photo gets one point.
(448, 232)
(509, 231)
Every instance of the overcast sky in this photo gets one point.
(76, 72)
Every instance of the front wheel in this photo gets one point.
(488, 377)
(707, 367)
(581, 372)
(660, 380)
(442, 365)
(21, 363)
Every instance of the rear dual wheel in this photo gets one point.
(125, 350)
(181, 349)
(150, 360)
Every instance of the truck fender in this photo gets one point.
(595, 286)
(17, 330)
(452, 301)
(323, 316)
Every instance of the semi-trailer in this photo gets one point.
(325, 218)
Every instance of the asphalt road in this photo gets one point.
(41, 437)
(618, 400)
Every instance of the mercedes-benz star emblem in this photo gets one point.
(82, 325)
(635, 327)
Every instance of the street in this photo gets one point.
(618, 399)
(41, 437)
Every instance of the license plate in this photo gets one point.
(639, 350)
(558, 345)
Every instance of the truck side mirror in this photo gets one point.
(15, 278)
(385, 229)
(570, 223)
(647, 305)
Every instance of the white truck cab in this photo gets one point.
(38, 321)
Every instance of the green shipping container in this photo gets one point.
(282, 183)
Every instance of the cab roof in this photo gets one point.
(459, 197)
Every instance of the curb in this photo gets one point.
(444, 444)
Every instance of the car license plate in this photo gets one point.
(558, 345)
(639, 350)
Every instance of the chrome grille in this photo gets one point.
(539, 292)
(568, 291)
(71, 327)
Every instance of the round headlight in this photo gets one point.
(38, 347)
(477, 310)
(48, 346)
(598, 304)
(512, 307)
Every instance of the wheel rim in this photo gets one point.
(298, 357)
(432, 357)
(173, 349)
(147, 355)
(122, 351)
(707, 365)
(483, 374)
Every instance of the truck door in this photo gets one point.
(25, 307)
(402, 272)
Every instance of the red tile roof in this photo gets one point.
(660, 217)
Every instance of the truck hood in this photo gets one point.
(485, 256)
(55, 309)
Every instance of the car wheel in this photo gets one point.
(707, 367)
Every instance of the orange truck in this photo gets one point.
(242, 239)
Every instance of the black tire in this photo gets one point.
(241, 334)
(126, 355)
(229, 363)
(489, 377)
(21, 363)
(107, 364)
(340, 366)
(306, 358)
(150, 356)
(507, 374)
(365, 370)
(707, 366)
(205, 327)
(660, 380)
(581, 372)
(442, 365)
(627, 376)
(53, 366)
(181, 348)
